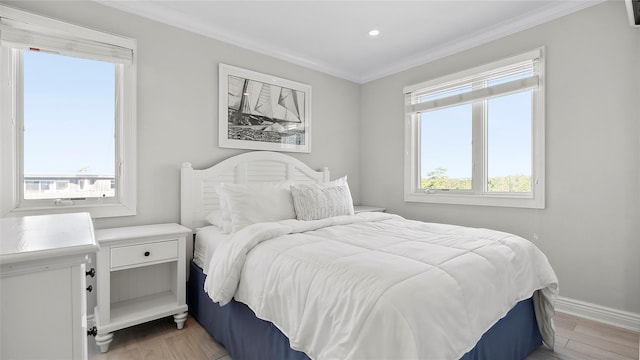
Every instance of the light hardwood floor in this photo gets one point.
(160, 340)
(582, 339)
(576, 339)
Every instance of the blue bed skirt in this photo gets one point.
(246, 337)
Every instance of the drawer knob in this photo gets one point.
(92, 332)
(89, 288)
(91, 272)
(146, 253)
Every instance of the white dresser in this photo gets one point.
(141, 276)
(43, 287)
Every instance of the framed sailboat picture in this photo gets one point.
(263, 112)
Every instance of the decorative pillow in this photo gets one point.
(319, 201)
(258, 202)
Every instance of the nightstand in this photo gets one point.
(141, 276)
(363, 208)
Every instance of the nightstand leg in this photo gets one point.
(103, 341)
(180, 319)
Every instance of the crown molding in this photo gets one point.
(160, 12)
(157, 11)
(508, 27)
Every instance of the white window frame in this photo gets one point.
(477, 196)
(12, 201)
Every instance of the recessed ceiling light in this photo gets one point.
(374, 33)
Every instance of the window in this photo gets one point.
(68, 118)
(477, 137)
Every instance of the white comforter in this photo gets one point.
(377, 286)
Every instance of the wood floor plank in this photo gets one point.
(543, 354)
(607, 333)
(561, 341)
(578, 338)
(624, 348)
(599, 353)
(569, 354)
(154, 348)
(125, 354)
(564, 321)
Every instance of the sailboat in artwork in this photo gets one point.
(263, 105)
(288, 102)
(256, 103)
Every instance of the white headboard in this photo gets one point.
(198, 196)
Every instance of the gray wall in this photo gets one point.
(178, 106)
(590, 229)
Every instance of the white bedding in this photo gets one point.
(375, 285)
(208, 239)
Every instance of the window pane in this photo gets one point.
(446, 153)
(509, 143)
(69, 127)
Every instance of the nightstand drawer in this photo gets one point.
(143, 253)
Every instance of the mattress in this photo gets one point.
(208, 239)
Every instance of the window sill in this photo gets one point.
(95, 210)
(501, 200)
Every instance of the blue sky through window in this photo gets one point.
(446, 141)
(509, 135)
(69, 115)
(446, 138)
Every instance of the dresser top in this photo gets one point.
(105, 236)
(45, 236)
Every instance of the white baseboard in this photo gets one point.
(607, 315)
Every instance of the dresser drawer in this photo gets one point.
(143, 253)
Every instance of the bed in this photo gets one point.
(351, 286)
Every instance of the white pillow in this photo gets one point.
(339, 181)
(319, 201)
(224, 219)
(215, 218)
(258, 202)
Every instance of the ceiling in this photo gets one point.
(332, 36)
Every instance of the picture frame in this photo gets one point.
(263, 112)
